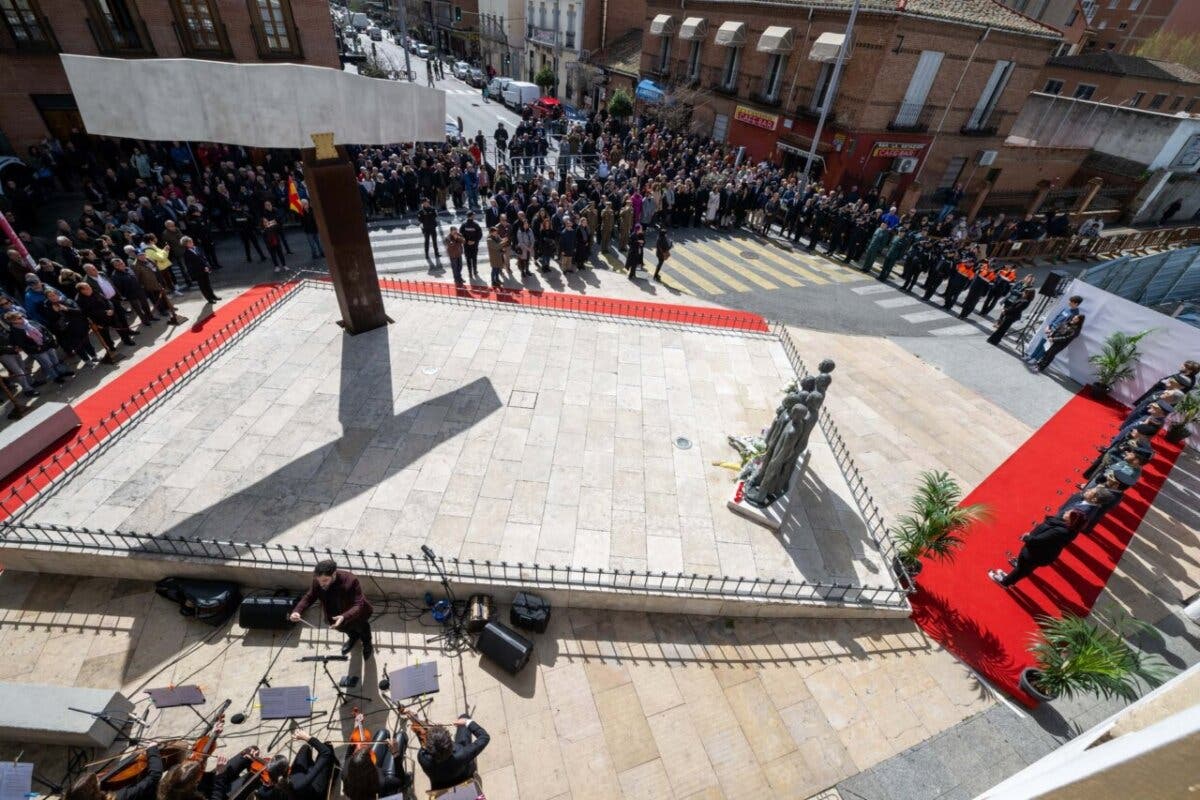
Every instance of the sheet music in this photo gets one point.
(16, 780)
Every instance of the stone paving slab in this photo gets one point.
(484, 433)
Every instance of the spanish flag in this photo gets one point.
(293, 196)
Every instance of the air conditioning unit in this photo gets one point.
(987, 158)
(904, 164)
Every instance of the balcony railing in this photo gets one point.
(267, 53)
(988, 126)
(770, 101)
(911, 117)
(113, 41)
(714, 78)
(544, 36)
(805, 111)
(46, 41)
(681, 68)
(190, 48)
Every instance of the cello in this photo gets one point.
(360, 737)
(130, 769)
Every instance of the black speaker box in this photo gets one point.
(1055, 283)
(530, 612)
(507, 648)
(266, 612)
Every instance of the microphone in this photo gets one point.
(324, 658)
(385, 683)
(428, 552)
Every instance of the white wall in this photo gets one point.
(1170, 344)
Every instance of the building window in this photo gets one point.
(199, 27)
(1177, 102)
(1157, 102)
(694, 60)
(990, 96)
(1133, 4)
(1136, 100)
(919, 85)
(542, 16)
(1073, 16)
(1191, 106)
(730, 73)
(1113, 3)
(571, 26)
(1122, 26)
(26, 25)
(774, 77)
(274, 29)
(664, 55)
(1053, 87)
(117, 27)
(1084, 91)
(1102, 24)
(822, 87)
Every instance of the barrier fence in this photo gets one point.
(1084, 248)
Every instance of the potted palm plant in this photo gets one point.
(1074, 655)
(1185, 413)
(935, 526)
(1116, 360)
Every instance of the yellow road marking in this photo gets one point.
(731, 282)
(764, 254)
(743, 265)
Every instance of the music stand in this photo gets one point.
(16, 781)
(175, 696)
(414, 681)
(287, 703)
(464, 791)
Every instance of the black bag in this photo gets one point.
(267, 612)
(208, 601)
(530, 612)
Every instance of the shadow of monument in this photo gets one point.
(317, 481)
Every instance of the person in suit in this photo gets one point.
(1184, 380)
(448, 762)
(199, 268)
(103, 314)
(1041, 546)
(39, 344)
(472, 235)
(1013, 309)
(346, 607)
(1060, 339)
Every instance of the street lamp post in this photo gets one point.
(830, 92)
(402, 21)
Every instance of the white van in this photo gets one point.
(519, 93)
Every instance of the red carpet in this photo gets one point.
(607, 306)
(990, 627)
(134, 386)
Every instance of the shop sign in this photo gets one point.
(756, 118)
(897, 149)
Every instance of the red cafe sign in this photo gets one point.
(896, 149)
(756, 118)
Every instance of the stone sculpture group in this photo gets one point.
(787, 438)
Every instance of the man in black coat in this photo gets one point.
(1043, 545)
(448, 762)
(103, 314)
(130, 288)
(473, 234)
(198, 267)
(428, 218)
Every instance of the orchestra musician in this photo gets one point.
(378, 770)
(346, 607)
(448, 762)
(307, 778)
(145, 787)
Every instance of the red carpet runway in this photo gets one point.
(990, 627)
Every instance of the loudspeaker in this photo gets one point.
(1055, 283)
(530, 612)
(509, 649)
(269, 613)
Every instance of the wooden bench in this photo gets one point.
(33, 714)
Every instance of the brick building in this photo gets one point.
(448, 26)
(1065, 16)
(928, 92)
(35, 98)
(1122, 25)
(1110, 77)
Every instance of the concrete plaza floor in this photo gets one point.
(482, 432)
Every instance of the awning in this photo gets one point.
(731, 34)
(693, 28)
(776, 39)
(649, 91)
(662, 25)
(826, 47)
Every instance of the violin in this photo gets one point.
(360, 737)
(130, 769)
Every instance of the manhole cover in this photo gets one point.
(683, 443)
(429, 370)
(749, 254)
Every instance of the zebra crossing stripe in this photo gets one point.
(698, 263)
(760, 264)
(929, 315)
(707, 254)
(898, 302)
(678, 267)
(878, 288)
(955, 330)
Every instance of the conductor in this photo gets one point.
(346, 607)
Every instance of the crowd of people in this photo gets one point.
(1117, 468)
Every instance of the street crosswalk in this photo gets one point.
(699, 265)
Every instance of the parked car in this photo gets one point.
(546, 108)
(460, 70)
(573, 114)
(360, 22)
(495, 89)
(476, 77)
(519, 94)
(376, 34)
(423, 50)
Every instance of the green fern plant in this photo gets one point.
(1076, 656)
(936, 523)
(1186, 412)
(1117, 358)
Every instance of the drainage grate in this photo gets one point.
(683, 443)
(519, 399)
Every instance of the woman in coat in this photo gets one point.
(1060, 338)
(634, 258)
(525, 244)
(68, 323)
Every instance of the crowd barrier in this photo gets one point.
(1086, 248)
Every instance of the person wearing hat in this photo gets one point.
(1137, 440)
(1184, 380)
(978, 289)
(38, 343)
(1169, 396)
(1154, 417)
(1041, 546)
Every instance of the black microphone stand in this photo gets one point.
(240, 717)
(455, 634)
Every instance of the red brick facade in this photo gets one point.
(862, 142)
(29, 74)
